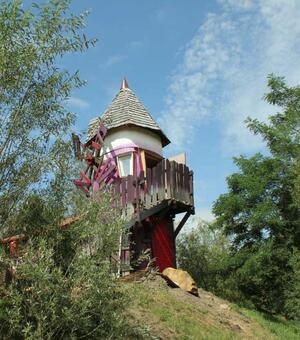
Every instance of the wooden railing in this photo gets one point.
(168, 181)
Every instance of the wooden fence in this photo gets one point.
(167, 181)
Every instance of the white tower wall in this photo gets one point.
(132, 136)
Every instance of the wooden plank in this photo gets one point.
(168, 179)
(179, 184)
(130, 189)
(191, 174)
(186, 185)
(127, 206)
(123, 192)
(154, 186)
(163, 179)
(158, 177)
(135, 195)
(160, 182)
(116, 186)
(96, 146)
(117, 192)
(171, 179)
(142, 190)
(162, 189)
(176, 180)
(182, 223)
(182, 183)
(181, 171)
(148, 188)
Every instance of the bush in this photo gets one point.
(64, 286)
(292, 288)
(202, 252)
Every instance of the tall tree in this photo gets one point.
(261, 202)
(261, 211)
(33, 114)
(60, 283)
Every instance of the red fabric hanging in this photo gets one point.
(163, 245)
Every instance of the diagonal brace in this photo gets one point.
(182, 223)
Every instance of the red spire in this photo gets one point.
(124, 84)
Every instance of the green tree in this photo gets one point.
(261, 212)
(34, 90)
(63, 286)
(203, 252)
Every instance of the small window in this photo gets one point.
(125, 164)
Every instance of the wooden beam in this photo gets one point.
(143, 158)
(13, 239)
(147, 213)
(70, 220)
(182, 223)
(152, 211)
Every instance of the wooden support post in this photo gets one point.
(182, 223)
(13, 243)
(143, 158)
(119, 271)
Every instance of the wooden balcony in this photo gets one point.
(169, 184)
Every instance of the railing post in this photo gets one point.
(168, 176)
(191, 175)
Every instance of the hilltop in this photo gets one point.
(170, 313)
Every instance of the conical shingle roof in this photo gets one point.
(126, 109)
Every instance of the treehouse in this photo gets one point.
(124, 150)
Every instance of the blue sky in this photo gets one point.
(200, 67)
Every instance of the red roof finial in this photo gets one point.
(124, 84)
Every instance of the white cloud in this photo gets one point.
(113, 60)
(136, 44)
(78, 103)
(224, 68)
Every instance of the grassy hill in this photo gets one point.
(170, 313)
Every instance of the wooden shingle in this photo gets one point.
(126, 109)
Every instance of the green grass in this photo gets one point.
(179, 319)
(168, 316)
(276, 325)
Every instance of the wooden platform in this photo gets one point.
(169, 184)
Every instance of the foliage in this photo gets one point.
(34, 89)
(61, 286)
(261, 212)
(202, 252)
(250, 254)
(292, 291)
(66, 294)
